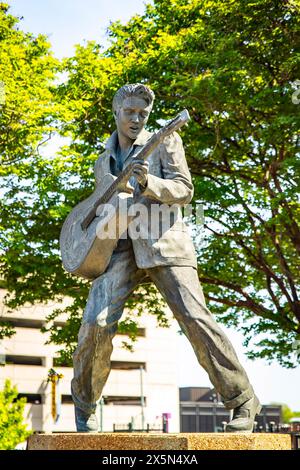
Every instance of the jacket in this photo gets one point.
(169, 183)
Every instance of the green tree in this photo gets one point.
(39, 188)
(27, 73)
(12, 429)
(233, 64)
(286, 413)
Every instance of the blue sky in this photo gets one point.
(69, 22)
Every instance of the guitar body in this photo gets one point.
(87, 252)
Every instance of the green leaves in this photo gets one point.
(12, 429)
(232, 64)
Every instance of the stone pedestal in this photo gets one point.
(139, 441)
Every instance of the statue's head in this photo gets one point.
(132, 105)
(137, 90)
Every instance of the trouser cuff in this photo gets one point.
(88, 408)
(239, 399)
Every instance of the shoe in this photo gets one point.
(85, 422)
(243, 416)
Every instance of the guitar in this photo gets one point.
(85, 250)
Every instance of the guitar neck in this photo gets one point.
(142, 154)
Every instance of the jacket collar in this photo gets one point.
(112, 142)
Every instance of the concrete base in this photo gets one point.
(139, 441)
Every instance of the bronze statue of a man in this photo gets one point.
(170, 262)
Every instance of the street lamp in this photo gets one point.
(142, 398)
(101, 404)
(272, 426)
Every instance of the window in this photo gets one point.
(33, 398)
(123, 400)
(206, 423)
(115, 400)
(140, 332)
(29, 322)
(60, 324)
(116, 365)
(24, 360)
(67, 399)
(188, 423)
(273, 410)
(24, 322)
(127, 365)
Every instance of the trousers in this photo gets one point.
(180, 287)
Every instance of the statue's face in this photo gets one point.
(132, 117)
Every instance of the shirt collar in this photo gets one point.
(112, 142)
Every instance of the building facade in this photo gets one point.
(201, 410)
(141, 389)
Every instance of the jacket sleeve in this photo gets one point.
(175, 187)
(98, 170)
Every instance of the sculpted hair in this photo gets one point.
(136, 89)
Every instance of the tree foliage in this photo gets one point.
(286, 413)
(26, 70)
(232, 63)
(27, 120)
(12, 429)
